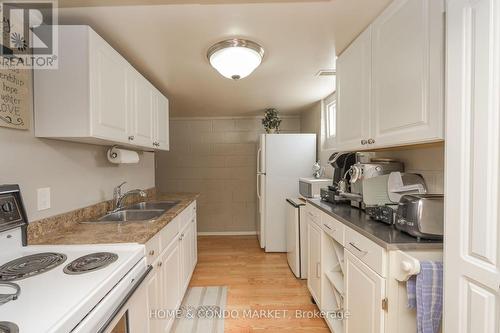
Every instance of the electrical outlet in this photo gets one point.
(43, 198)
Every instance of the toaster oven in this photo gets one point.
(421, 215)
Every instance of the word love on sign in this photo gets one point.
(14, 97)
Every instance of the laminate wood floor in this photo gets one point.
(256, 281)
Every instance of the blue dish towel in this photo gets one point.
(425, 293)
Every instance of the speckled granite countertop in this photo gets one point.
(384, 235)
(58, 231)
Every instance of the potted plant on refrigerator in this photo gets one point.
(271, 121)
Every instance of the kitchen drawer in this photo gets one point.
(153, 249)
(333, 228)
(367, 251)
(191, 210)
(313, 214)
(187, 215)
(169, 232)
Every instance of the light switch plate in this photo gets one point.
(43, 198)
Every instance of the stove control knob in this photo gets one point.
(8, 207)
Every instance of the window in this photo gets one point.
(329, 121)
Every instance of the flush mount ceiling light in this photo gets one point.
(235, 58)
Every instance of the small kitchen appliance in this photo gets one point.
(362, 171)
(341, 162)
(421, 215)
(296, 237)
(62, 288)
(381, 194)
(310, 187)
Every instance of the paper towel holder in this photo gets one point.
(115, 155)
(112, 153)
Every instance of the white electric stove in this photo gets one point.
(73, 288)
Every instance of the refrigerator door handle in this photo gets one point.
(259, 151)
(258, 186)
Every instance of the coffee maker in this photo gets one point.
(341, 163)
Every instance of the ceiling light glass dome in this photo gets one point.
(235, 58)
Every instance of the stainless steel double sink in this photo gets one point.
(143, 211)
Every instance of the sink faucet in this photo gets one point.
(118, 197)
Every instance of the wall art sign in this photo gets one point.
(14, 98)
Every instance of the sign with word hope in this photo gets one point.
(14, 98)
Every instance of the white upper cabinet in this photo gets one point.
(108, 85)
(408, 73)
(96, 96)
(142, 110)
(390, 80)
(353, 94)
(162, 129)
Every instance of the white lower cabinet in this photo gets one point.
(187, 245)
(170, 283)
(349, 272)
(365, 291)
(172, 269)
(314, 260)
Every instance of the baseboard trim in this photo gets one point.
(228, 233)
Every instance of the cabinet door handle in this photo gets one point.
(357, 248)
(131, 138)
(364, 142)
(318, 270)
(328, 227)
(371, 141)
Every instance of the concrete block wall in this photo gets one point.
(217, 158)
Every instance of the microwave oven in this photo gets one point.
(310, 187)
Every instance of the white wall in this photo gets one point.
(78, 174)
(310, 122)
(217, 158)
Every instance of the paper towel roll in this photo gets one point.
(118, 156)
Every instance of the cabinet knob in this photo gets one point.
(364, 142)
(131, 138)
(371, 141)
(159, 264)
(152, 252)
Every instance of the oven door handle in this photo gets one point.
(125, 299)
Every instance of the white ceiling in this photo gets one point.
(168, 44)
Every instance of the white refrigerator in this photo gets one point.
(281, 160)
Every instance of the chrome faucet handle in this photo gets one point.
(117, 193)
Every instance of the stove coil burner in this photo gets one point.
(8, 327)
(31, 265)
(90, 262)
(11, 292)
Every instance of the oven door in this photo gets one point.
(123, 308)
(131, 315)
